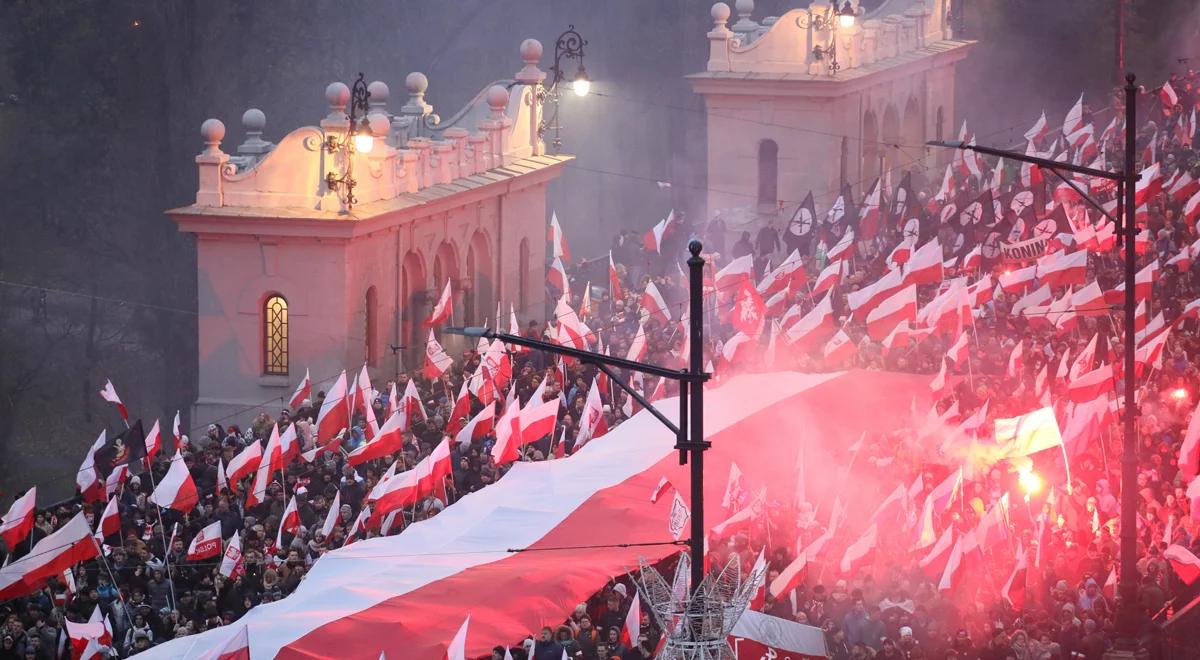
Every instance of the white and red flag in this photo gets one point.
(653, 239)
(206, 544)
(558, 240)
(654, 305)
(109, 394)
(1185, 564)
(1074, 118)
(556, 276)
(303, 391)
(900, 307)
(18, 522)
(153, 443)
(244, 464)
(1169, 98)
(334, 415)
(733, 275)
(614, 279)
(236, 648)
(232, 565)
(270, 462)
(436, 359)
(109, 527)
(632, 627)
(843, 249)
(538, 419)
(592, 423)
(861, 553)
(925, 266)
(1038, 130)
(69, 545)
(1091, 385)
(828, 277)
(749, 310)
(664, 486)
(1014, 588)
(176, 490)
(478, 427)
(443, 309)
(839, 348)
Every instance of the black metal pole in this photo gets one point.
(1128, 615)
(697, 444)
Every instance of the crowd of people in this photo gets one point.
(899, 605)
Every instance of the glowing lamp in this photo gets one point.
(363, 142)
(581, 85)
(846, 15)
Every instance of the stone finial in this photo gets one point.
(720, 15)
(338, 95)
(416, 83)
(531, 53)
(745, 26)
(213, 131)
(378, 123)
(253, 122)
(379, 93)
(497, 100)
(744, 9)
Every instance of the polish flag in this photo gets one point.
(790, 577)
(109, 394)
(556, 276)
(1189, 451)
(591, 422)
(1061, 269)
(664, 486)
(839, 348)
(457, 650)
(946, 191)
(925, 266)
(206, 544)
(176, 490)
(1183, 187)
(1186, 564)
(333, 516)
(303, 391)
(290, 522)
(632, 628)
(479, 426)
(397, 492)
(244, 464)
(828, 277)
(508, 435)
(1110, 584)
(981, 292)
(939, 385)
(653, 239)
(110, 523)
(738, 349)
(1191, 209)
(900, 336)
(654, 305)
(1016, 281)
(69, 545)
(1182, 261)
(436, 360)
(334, 416)
(844, 248)
(289, 447)
(734, 274)
(1169, 98)
(1074, 118)
(614, 279)
(1014, 588)
(974, 258)
(443, 309)
(868, 215)
(861, 553)
(1089, 301)
(901, 307)
(462, 408)
(758, 586)
(637, 347)
(933, 564)
(18, 522)
(558, 240)
(1015, 362)
(959, 352)
(1149, 184)
(389, 440)
(1091, 385)
(237, 648)
(963, 546)
(993, 527)
(433, 471)
(869, 297)
(231, 563)
(270, 462)
(538, 419)
(1038, 130)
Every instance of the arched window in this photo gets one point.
(768, 173)
(370, 327)
(523, 274)
(275, 335)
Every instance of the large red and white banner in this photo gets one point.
(363, 600)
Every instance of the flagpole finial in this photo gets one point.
(695, 246)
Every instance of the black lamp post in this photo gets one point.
(1128, 616)
(689, 432)
(568, 46)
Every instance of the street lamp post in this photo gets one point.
(1128, 616)
(689, 432)
(568, 46)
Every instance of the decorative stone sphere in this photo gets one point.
(531, 50)
(416, 83)
(745, 7)
(497, 97)
(720, 12)
(213, 130)
(379, 91)
(254, 120)
(378, 123)
(338, 94)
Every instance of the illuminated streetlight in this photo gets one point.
(846, 15)
(581, 84)
(363, 142)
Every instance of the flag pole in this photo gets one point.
(162, 532)
(108, 569)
